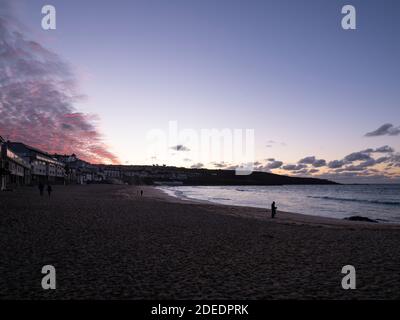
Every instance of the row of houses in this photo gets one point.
(13, 168)
(21, 164)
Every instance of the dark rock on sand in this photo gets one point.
(360, 218)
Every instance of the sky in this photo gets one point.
(322, 101)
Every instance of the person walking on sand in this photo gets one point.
(41, 189)
(273, 209)
(49, 190)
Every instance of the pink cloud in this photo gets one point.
(37, 96)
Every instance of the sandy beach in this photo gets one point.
(106, 242)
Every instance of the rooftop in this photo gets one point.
(25, 150)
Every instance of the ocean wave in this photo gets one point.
(382, 202)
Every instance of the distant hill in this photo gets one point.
(228, 177)
(206, 177)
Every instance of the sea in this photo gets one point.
(379, 202)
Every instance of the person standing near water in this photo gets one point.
(273, 209)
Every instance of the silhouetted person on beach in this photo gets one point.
(41, 189)
(273, 209)
(141, 193)
(49, 190)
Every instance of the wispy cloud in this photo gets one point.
(294, 167)
(38, 91)
(180, 147)
(272, 143)
(220, 165)
(386, 129)
(197, 166)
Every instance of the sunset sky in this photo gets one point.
(322, 101)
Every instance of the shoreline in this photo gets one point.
(281, 217)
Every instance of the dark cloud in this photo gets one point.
(364, 156)
(384, 149)
(394, 160)
(336, 164)
(386, 129)
(38, 91)
(319, 163)
(180, 147)
(359, 167)
(197, 166)
(273, 165)
(313, 161)
(367, 151)
(382, 160)
(308, 160)
(220, 165)
(294, 167)
(357, 156)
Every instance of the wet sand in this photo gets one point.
(108, 243)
